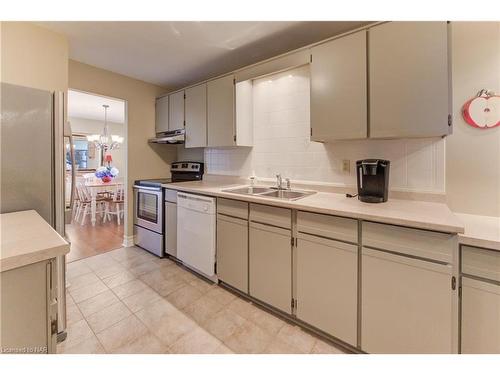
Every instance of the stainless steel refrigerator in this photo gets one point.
(33, 163)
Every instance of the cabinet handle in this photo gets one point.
(453, 283)
(53, 326)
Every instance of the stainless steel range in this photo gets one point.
(149, 212)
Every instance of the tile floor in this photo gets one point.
(129, 301)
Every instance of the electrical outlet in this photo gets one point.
(346, 166)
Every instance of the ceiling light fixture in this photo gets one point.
(105, 141)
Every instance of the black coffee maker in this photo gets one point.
(373, 180)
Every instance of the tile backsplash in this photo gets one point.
(282, 145)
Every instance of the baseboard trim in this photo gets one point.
(128, 241)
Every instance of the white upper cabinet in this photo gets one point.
(339, 89)
(221, 112)
(409, 80)
(244, 113)
(196, 116)
(176, 111)
(161, 121)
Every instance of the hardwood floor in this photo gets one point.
(87, 241)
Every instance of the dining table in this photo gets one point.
(97, 186)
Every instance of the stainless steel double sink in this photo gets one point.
(270, 192)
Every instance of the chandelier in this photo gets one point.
(105, 141)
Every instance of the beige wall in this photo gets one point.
(33, 56)
(144, 160)
(473, 155)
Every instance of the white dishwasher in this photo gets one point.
(196, 223)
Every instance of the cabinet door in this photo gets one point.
(220, 112)
(171, 228)
(25, 309)
(244, 113)
(161, 120)
(480, 317)
(327, 286)
(338, 89)
(176, 111)
(406, 305)
(270, 267)
(232, 252)
(409, 83)
(196, 116)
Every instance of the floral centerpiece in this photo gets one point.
(107, 173)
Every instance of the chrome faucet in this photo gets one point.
(279, 181)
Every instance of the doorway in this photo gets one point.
(95, 178)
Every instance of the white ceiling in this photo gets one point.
(90, 107)
(174, 54)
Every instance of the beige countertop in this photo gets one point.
(26, 238)
(417, 214)
(481, 231)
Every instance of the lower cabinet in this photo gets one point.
(270, 267)
(407, 299)
(480, 317)
(406, 304)
(327, 286)
(28, 309)
(232, 251)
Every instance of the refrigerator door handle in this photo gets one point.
(73, 168)
(59, 155)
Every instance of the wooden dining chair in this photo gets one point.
(115, 205)
(84, 208)
(76, 200)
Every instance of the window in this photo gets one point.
(87, 156)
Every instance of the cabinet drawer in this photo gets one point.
(232, 207)
(416, 242)
(334, 227)
(279, 217)
(171, 195)
(481, 262)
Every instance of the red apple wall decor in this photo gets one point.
(482, 111)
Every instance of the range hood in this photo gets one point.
(169, 137)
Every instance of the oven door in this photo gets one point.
(148, 208)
